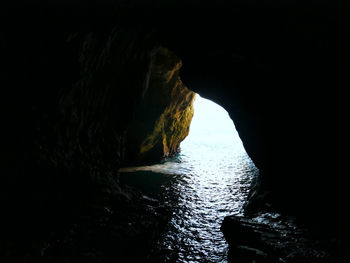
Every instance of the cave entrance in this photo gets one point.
(212, 133)
(208, 180)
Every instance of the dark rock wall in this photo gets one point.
(73, 78)
(281, 74)
(280, 70)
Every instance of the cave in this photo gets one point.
(89, 87)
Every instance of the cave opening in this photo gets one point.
(212, 133)
(209, 179)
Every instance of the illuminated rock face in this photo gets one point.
(163, 118)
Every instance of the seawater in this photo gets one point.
(207, 181)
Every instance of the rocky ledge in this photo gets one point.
(273, 238)
(122, 229)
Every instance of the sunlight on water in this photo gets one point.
(209, 180)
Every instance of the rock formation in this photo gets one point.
(162, 120)
(273, 238)
(74, 92)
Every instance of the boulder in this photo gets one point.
(270, 237)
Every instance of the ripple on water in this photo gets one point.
(200, 200)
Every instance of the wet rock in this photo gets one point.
(275, 238)
(245, 239)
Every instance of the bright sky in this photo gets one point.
(212, 124)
